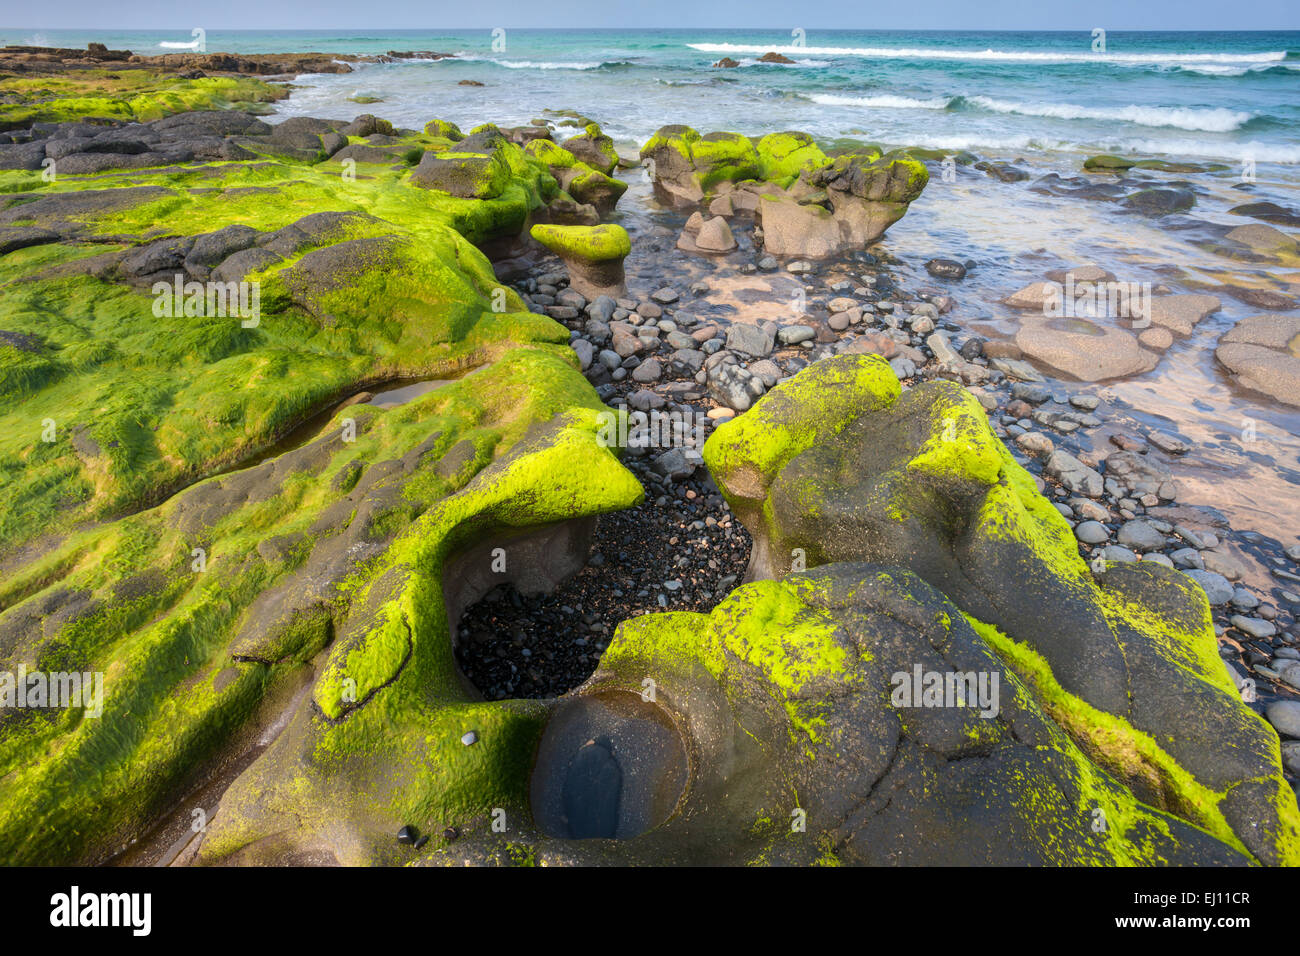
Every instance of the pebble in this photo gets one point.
(1139, 535)
(1253, 626)
(1216, 587)
(665, 296)
(1285, 716)
(1091, 532)
(469, 738)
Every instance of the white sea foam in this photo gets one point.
(1015, 56)
(548, 65)
(883, 101)
(1196, 120)
(177, 45)
(1220, 69)
(1285, 155)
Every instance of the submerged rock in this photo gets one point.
(1263, 353)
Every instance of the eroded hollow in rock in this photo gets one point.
(609, 766)
(519, 639)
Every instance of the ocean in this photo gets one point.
(1213, 96)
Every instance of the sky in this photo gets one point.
(1112, 15)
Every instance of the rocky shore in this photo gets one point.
(393, 483)
(48, 61)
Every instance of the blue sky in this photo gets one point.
(827, 14)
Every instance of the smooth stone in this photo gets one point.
(1216, 587)
(1091, 532)
(1140, 535)
(1253, 626)
(1285, 716)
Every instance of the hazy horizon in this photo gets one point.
(939, 15)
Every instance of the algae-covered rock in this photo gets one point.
(594, 148)
(276, 287)
(783, 156)
(1108, 163)
(809, 206)
(463, 175)
(139, 95)
(593, 254)
(846, 203)
(839, 464)
(204, 615)
(779, 729)
(788, 695)
(443, 129)
(687, 166)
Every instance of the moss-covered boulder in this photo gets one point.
(1107, 163)
(840, 465)
(688, 166)
(463, 175)
(593, 254)
(845, 203)
(808, 204)
(443, 129)
(594, 148)
(849, 714)
(356, 275)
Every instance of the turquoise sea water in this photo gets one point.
(1226, 96)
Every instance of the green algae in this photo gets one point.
(783, 156)
(175, 399)
(132, 95)
(591, 243)
(167, 705)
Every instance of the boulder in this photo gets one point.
(464, 175)
(1160, 201)
(687, 166)
(1263, 354)
(1182, 313)
(1084, 351)
(1263, 240)
(593, 254)
(821, 473)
